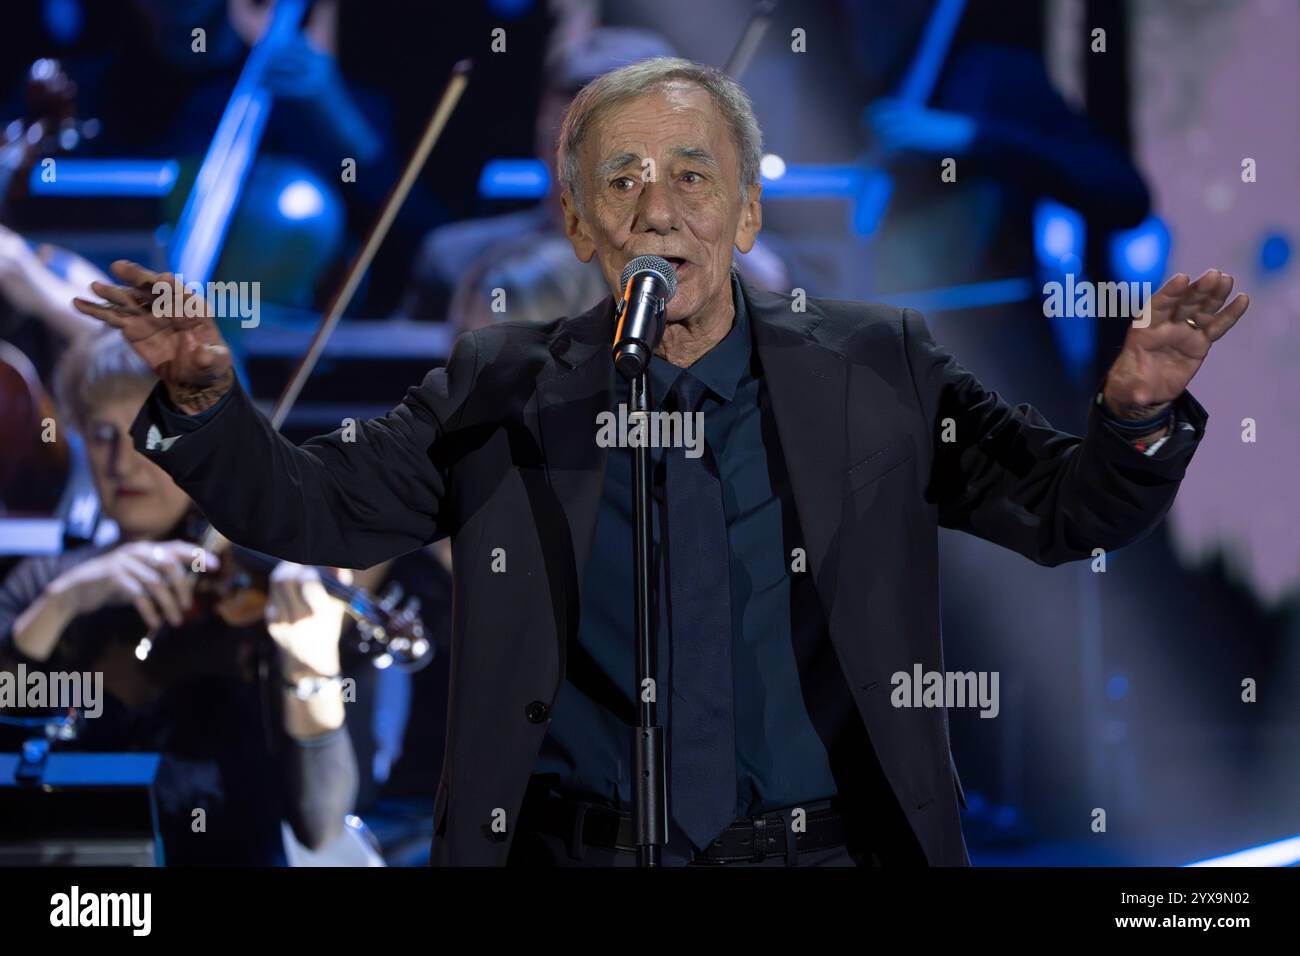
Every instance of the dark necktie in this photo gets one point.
(702, 741)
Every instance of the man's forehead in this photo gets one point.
(681, 120)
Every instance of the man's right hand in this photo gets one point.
(186, 352)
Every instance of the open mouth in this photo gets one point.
(677, 262)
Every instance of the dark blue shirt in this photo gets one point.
(780, 759)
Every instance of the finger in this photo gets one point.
(1218, 295)
(1192, 303)
(1166, 299)
(1227, 317)
(186, 552)
(156, 587)
(116, 294)
(136, 593)
(160, 590)
(133, 273)
(102, 312)
(174, 568)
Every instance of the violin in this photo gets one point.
(222, 633)
(236, 593)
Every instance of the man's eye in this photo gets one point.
(691, 178)
(623, 183)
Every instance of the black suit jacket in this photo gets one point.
(498, 450)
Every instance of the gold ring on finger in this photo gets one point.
(1192, 322)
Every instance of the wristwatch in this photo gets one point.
(305, 688)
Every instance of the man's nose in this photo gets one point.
(656, 208)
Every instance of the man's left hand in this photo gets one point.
(1166, 347)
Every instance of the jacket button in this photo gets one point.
(537, 711)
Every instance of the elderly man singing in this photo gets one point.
(797, 556)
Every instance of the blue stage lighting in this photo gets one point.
(1059, 234)
(104, 177)
(1274, 252)
(514, 179)
(1141, 254)
(1117, 687)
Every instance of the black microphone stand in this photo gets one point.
(649, 791)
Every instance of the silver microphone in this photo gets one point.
(648, 283)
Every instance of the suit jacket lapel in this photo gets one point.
(807, 385)
(573, 390)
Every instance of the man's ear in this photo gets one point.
(576, 229)
(751, 219)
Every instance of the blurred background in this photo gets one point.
(1112, 140)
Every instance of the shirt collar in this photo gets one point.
(721, 368)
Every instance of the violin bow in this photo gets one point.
(747, 45)
(451, 94)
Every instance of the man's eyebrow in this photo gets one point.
(697, 153)
(614, 164)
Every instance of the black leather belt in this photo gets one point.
(582, 824)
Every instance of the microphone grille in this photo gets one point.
(657, 264)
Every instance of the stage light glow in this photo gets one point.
(514, 179)
(64, 19)
(772, 166)
(1274, 252)
(1140, 254)
(1059, 233)
(1279, 853)
(105, 177)
(300, 200)
(972, 296)
(1117, 687)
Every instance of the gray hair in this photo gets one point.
(97, 366)
(636, 79)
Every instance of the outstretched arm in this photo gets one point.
(1005, 474)
(352, 498)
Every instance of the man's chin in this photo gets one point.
(682, 306)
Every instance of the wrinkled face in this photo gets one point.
(660, 176)
(134, 492)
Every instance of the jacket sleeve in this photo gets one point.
(1006, 475)
(353, 498)
(321, 783)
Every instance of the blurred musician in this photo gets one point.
(251, 731)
